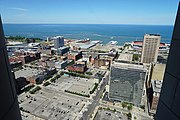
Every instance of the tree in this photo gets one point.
(124, 104)
(108, 108)
(129, 115)
(100, 108)
(135, 57)
(142, 107)
(46, 83)
(129, 107)
(61, 73)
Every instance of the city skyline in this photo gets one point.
(89, 12)
(88, 60)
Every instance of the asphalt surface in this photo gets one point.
(88, 113)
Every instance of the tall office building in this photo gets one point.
(150, 48)
(58, 41)
(169, 102)
(9, 108)
(127, 82)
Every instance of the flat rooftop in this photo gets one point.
(128, 65)
(75, 84)
(110, 115)
(125, 57)
(74, 53)
(152, 35)
(127, 82)
(27, 72)
(64, 47)
(101, 47)
(87, 45)
(158, 72)
(156, 85)
(52, 102)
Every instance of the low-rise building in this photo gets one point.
(61, 64)
(34, 75)
(75, 55)
(27, 56)
(78, 67)
(14, 62)
(125, 57)
(99, 62)
(62, 50)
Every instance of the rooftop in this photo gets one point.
(127, 82)
(64, 47)
(87, 45)
(156, 85)
(152, 35)
(110, 115)
(27, 72)
(141, 42)
(58, 37)
(158, 72)
(125, 57)
(74, 53)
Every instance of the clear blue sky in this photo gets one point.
(151, 12)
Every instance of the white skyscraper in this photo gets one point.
(150, 48)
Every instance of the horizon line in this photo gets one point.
(89, 24)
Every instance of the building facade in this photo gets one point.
(150, 48)
(154, 95)
(8, 102)
(58, 41)
(75, 55)
(169, 105)
(61, 64)
(62, 50)
(79, 67)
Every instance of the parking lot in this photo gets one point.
(53, 103)
(109, 115)
(74, 84)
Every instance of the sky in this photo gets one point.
(141, 12)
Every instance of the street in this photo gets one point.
(88, 113)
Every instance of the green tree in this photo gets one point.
(142, 107)
(135, 57)
(129, 115)
(129, 107)
(108, 108)
(46, 83)
(124, 105)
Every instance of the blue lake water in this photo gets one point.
(103, 32)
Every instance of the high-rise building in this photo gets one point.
(127, 82)
(58, 41)
(150, 48)
(9, 108)
(169, 102)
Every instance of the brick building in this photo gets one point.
(79, 67)
(154, 95)
(99, 62)
(75, 55)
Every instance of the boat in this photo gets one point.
(113, 42)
